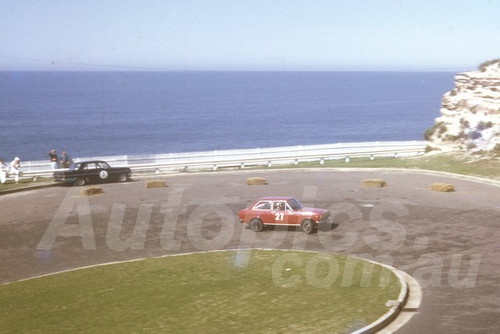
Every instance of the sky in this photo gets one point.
(276, 35)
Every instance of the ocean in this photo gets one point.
(132, 113)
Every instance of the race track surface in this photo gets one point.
(448, 241)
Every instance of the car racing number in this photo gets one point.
(279, 216)
(103, 174)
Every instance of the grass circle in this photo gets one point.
(244, 291)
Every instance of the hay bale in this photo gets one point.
(442, 187)
(91, 191)
(156, 184)
(256, 181)
(379, 183)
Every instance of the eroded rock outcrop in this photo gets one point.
(470, 113)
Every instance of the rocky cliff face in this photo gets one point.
(470, 113)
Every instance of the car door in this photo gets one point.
(91, 172)
(280, 212)
(104, 172)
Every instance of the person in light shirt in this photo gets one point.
(3, 171)
(15, 166)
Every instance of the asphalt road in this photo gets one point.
(447, 241)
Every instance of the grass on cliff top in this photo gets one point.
(451, 163)
(218, 292)
(488, 168)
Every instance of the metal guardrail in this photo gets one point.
(244, 158)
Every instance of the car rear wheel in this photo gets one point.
(81, 181)
(122, 177)
(308, 226)
(256, 225)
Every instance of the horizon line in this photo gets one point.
(124, 69)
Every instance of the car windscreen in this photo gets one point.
(74, 166)
(295, 204)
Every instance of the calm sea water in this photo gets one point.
(114, 113)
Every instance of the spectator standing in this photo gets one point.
(66, 161)
(3, 171)
(15, 166)
(54, 161)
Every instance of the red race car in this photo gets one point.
(286, 211)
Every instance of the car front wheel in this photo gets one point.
(308, 226)
(256, 225)
(122, 177)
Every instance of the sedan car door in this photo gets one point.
(104, 171)
(91, 172)
(280, 212)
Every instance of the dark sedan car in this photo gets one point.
(85, 172)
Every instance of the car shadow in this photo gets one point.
(324, 227)
(327, 227)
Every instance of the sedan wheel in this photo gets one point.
(256, 225)
(122, 177)
(308, 226)
(80, 181)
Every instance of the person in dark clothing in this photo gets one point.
(54, 161)
(66, 161)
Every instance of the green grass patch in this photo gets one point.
(10, 184)
(489, 168)
(451, 163)
(221, 292)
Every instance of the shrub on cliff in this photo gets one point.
(430, 131)
(496, 150)
(455, 138)
(483, 66)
